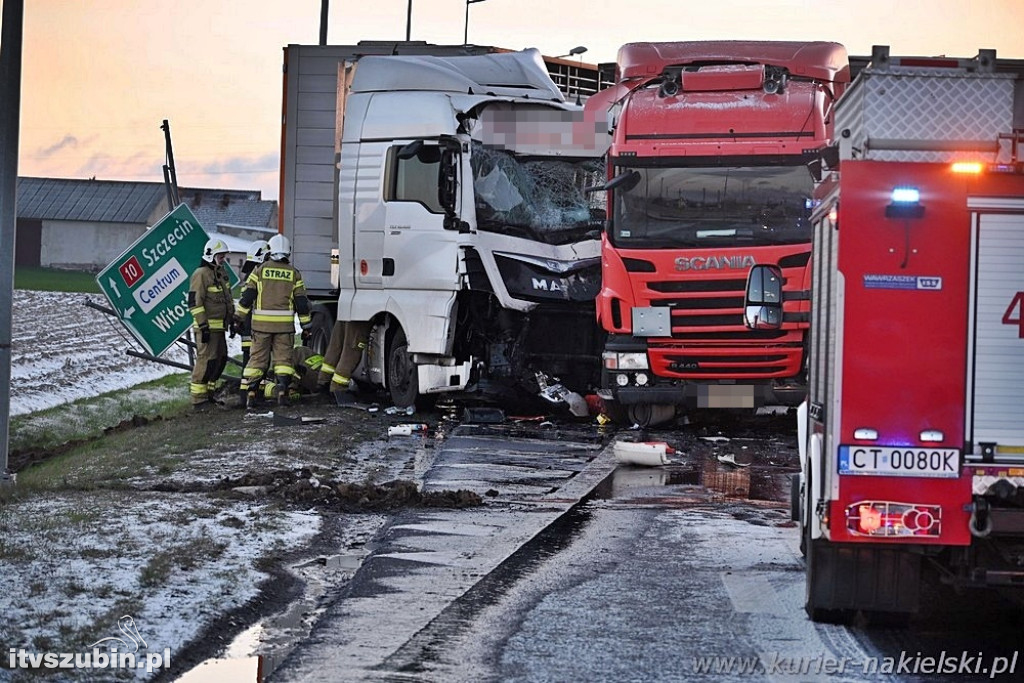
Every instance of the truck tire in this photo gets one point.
(320, 333)
(403, 383)
(815, 574)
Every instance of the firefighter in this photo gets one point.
(254, 257)
(274, 293)
(212, 308)
(306, 364)
(344, 351)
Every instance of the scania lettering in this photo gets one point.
(912, 440)
(709, 173)
(712, 262)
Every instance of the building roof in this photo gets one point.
(121, 201)
(107, 201)
(229, 207)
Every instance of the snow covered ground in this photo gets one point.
(63, 350)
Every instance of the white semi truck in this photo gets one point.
(461, 228)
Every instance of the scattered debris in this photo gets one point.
(305, 486)
(483, 415)
(645, 453)
(558, 393)
(395, 410)
(730, 459)
(287, 421)
(406, 429)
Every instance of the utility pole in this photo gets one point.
(10, 112)
(170, 175)
(323, 21)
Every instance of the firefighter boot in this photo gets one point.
(249, 399)
(282, 394)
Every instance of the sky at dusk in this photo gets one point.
(100, 76)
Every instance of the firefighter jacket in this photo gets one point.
(274, 292)
(209, 297)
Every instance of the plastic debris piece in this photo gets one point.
(645, 453)
(730, 459)
(395, 410)
(406, 429)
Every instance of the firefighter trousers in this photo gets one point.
(267, 348)
(345, 350)
(211, 357)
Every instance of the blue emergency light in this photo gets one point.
(906, 195)
(905, 202)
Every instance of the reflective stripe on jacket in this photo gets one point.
(274, 292)
(209, 297)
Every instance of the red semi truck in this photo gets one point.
(708, 171)
(913, 432)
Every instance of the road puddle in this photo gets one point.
(257, 651)
(705, 480)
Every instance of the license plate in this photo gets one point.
(725, 396)
(900, 461)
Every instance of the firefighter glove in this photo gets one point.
(204, 334)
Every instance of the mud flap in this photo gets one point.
(861, 577)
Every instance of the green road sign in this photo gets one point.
(148, 284)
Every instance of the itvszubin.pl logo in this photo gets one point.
(127, 651)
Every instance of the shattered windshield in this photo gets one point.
(715, 206)
(539, 198)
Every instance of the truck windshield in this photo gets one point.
(540, 198)
(713, 206)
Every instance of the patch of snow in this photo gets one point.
(85, 572)
(63, 350)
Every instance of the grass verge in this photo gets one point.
(52, 280)
(90, 418)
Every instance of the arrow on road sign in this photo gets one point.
(128, 313)
(113, 286)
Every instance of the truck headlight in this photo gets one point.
(624, 361)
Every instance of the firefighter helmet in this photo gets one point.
(258, 251)
(212, 248)
(280, 247)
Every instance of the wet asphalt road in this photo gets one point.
(689, 571)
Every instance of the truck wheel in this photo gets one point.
(817, 578)
(403, 383)
(320, 334)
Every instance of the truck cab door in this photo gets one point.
(418, 251)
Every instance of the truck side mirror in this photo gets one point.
(624, 181)
(762, 304)
(410, 150)
(447, 190)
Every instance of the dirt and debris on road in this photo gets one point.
(202, 524)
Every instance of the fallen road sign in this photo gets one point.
(147, 285)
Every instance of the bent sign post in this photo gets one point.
(147, 285)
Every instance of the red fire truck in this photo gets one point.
(913, 432)
(708, 175)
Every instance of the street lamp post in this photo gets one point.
(578, 50)
(465, 35)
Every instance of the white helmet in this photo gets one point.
(258, 251)
(280, 247)
(212, 248)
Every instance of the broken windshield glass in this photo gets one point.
(540, 198)
(687, 207)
